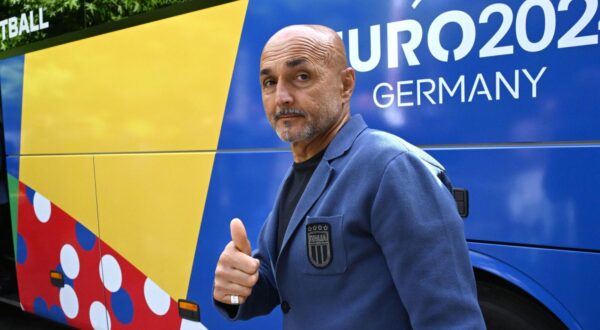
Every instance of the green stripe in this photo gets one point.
(13, 195)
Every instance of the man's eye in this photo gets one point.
(302, 76)
(268, 82)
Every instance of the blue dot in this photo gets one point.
(21, 249)
(67, 280)
(39, 306)
(29, 192)
(85, 238)
(56, 313)
(122, 306)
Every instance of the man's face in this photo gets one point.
(301, 93)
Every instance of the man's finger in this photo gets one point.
(239, 236)
(224, 290)
(234, 258)
(236, 276)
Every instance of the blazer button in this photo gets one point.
(285, 307)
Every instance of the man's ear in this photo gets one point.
(348, 83)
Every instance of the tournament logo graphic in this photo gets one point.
(318, 244)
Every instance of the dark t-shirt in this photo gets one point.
(292, 192)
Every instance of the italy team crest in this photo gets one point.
(318, 244)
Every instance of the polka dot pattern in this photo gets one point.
(29, 193)
(68, 301)
(110, 273)
(156, 298)
(122, 306)
(101, 291)
(85, 238)
(99, 316)
(42, 207)
(21, 249)
(54, 312)
(39, 306)
(69, 261)
(191, 325)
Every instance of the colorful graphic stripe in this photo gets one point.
(101, 288)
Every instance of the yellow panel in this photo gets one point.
(150, 209)
(153, 87)
(67, 181)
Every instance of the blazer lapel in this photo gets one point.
(313, 191)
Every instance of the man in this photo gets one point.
(363, 234)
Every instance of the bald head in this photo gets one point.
(322, 42)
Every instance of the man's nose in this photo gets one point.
(283, 96)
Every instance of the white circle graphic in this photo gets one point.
(99, 316)
(110, 273)
(191, 325)
(69, 261)
(156, 298)
(68, 301)
(41, 207)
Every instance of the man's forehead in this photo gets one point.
(290, 58)
(316, 45)
(294, 51)
(298, 31)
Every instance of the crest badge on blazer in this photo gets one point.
(318, 244)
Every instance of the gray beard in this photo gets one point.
(308, 132)
(311, 129)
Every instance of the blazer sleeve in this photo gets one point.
(415, 221)
(264, 296)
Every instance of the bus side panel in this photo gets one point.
(556, 271)
(539, 196)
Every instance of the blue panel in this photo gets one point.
(564, 106)
(542, 196)
(12, 166)
(570, 277)
(11, 84)
(242, 185)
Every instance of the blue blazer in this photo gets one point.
(375, 242)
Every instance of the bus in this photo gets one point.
(129, 146)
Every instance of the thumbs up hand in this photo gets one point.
(239, 236)
(236, 272)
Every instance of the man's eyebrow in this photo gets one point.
(295, 62)
(290, 64)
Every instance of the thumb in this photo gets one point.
(239, 236)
